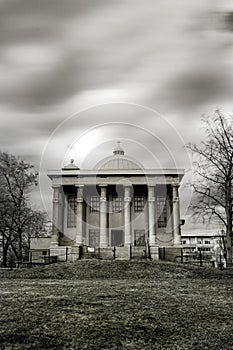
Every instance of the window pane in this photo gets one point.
(117, 204)
(161, 211)
(139, 203)
(94, 238)
(95, 204)
(72, 210)
(139, 238)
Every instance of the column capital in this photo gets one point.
(151, 184)
(56, 187)
(127, 190)
(56, 194)
(103, 193)
(175, 194)
(175, 185)
(79, 193)
(151, 193)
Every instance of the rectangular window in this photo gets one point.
(95, 204)
(72, 210)
(94, 238)
(184, 241)
(203, 249)
(139, 202)
(117, 204)
(161, 211)
(139, 238)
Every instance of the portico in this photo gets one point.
(117, 204)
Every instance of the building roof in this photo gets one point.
(118, 164)
(200, 234)
(118, 161)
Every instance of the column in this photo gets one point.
(79, 218)
(127, 221)
(151, 214)
(176, 214)
(103, 217)
(169, 211)
(55, 223)
(61, 210)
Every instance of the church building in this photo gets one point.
(117, 210)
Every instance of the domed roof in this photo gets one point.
(118, 161)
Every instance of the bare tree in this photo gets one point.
(16, 217)
(213, 170)
(34, 226)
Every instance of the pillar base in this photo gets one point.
(154, 253)
(123, 253)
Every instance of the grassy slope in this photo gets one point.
(116, 305)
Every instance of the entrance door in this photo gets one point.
(117, 238)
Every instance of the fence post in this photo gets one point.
(80, 252)
(220, 261)
(149, 254)
(49, 255)
(201, 262)
(114, 252)
(66, 253)
(130, 252)
(30, 259)
(181, 255)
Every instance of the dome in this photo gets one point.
(118, 161)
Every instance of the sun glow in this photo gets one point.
(83, 145)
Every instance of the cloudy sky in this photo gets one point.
(78, 75)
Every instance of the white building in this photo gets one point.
(118, 209)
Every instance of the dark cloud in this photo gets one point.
(53, 50)
(24, 20)
(93, 59)
(57, 9)
(198, 88)
(229, 21)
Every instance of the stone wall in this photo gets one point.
(170, 254)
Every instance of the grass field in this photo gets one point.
(116, 305)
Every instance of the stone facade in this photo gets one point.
(117, 210)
